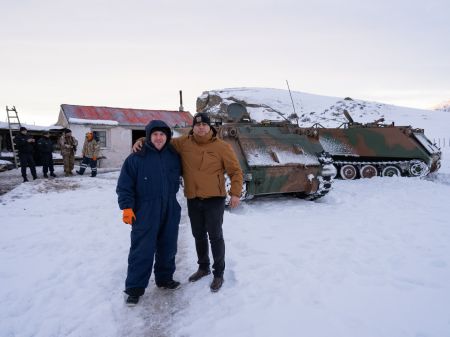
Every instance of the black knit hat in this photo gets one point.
(22, 128)
(201, 117)
(67, 131)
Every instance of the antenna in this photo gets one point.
(293, 106)
(292, 100)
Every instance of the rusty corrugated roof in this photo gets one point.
(125, 116)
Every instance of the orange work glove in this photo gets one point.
(94, 158)
(128, 216)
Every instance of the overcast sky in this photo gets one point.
(138, 54)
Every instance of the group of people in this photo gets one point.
(25, 144)
(148, 183)
(147, 194)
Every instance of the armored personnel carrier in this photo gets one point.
(377, 149)
(275, 157)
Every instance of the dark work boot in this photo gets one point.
(132, 300)
(45, 175)
(25, 179)
(216, 284)
(199, 274)
(171, 285)
(52, 174)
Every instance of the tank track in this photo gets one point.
(324, 187)
(325, 180)
(402, 165)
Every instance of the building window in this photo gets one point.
(100, 136)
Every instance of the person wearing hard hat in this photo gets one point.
(90, 153)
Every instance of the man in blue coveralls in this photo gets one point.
(147, 189)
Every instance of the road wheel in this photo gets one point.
(391, 171)
(368, 171)
(348, 172)
(418, 168)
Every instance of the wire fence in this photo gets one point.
(442, 142)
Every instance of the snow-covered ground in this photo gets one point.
(369, 259)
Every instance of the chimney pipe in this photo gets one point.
(181, 101)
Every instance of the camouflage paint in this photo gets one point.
(278, 173)
(387, 143)
(379, 144)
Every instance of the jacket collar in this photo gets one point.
(208, 138)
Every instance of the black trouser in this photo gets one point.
(26, 159)
(206, 217)
(47, 162)
(92, 163)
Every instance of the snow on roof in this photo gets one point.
(125, 116)
(4, 125)
(263, 157)
(93, 121)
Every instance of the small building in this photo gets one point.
(115, 128)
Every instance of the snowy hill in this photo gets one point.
(276, 104)
(444, 106)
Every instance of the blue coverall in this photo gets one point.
(148, 183)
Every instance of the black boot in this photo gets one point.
(132, 300)
(45, 175)
(216, 284)
(25, 179)
(52, 174)
(172, 285)
(199, 274)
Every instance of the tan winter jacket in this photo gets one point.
(68, 145)
(91, 148)
(204, 161)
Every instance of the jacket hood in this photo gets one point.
(157, 124)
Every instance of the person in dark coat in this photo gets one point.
(147, 189)
(45, 147)
(25, 146)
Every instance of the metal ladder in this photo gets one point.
(14, 125)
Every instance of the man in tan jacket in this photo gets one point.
(205, 158)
